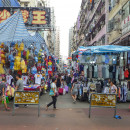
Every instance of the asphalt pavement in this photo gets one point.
(69, 116)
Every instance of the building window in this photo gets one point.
(126, 10)
(25, 4)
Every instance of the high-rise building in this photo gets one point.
(57, 44)
(119, 22)
(103, 22)
(70, 41)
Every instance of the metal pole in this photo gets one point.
(39, 106)
(90, 107)
(115, 107)
(13, 106)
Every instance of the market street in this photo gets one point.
(69, 117)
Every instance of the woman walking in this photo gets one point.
(54, 97)
(74, 90)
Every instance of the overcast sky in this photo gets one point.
(66, 12)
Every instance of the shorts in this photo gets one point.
(74, 92)
(69, 85)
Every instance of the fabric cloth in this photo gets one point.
(8, 79)
(38, 78)
(106, 59)
(126, 73)
(19, 84)
(24, 78)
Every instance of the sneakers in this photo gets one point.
(74, 101)
(16, 107)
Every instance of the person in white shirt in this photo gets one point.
(25, 79)
(38, 78)
(113, 88)
(54, 97)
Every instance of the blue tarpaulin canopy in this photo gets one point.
(9, 3)
(102, 49)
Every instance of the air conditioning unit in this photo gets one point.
(117, 1)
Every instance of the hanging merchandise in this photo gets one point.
(12, 44)
(21, 47)
(2, 71)
(27, 54)
(11, 65)
(17, 63)
(23, 66)
(36, 59)
(34, 70)
(36, 53)
(11, 58)
(2, 45)
(6, 49)
(16, 46)
(2, 57)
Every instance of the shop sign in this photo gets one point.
(126, 25)
(26, 98)
(103, 100)
(33, 17)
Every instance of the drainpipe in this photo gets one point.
(106, 20)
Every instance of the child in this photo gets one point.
(3, 96)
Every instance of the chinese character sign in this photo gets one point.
(4, 15)
(33, 17)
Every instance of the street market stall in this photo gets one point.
(21, 53)
(101, 63)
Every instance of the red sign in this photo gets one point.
(33, 17)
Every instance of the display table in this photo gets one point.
(31, 87)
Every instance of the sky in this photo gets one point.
(66, 12)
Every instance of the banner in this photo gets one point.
(33, 17)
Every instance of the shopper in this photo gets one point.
(54, 97)
(113, 88)
(19, 83)
(2, 93)
(68, 81)
(74, 90)
(19, 87)
(58, 83)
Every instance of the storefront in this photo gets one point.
(101, 63)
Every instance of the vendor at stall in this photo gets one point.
(113, 88)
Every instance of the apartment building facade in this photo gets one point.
(103, 22)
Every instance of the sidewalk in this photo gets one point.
(69, 117)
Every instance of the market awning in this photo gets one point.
(9, 3)
(103, 49)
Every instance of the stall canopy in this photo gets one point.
(9, 3)
(101, 49)
(13, 30)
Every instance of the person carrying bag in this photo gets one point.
(53, 94)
